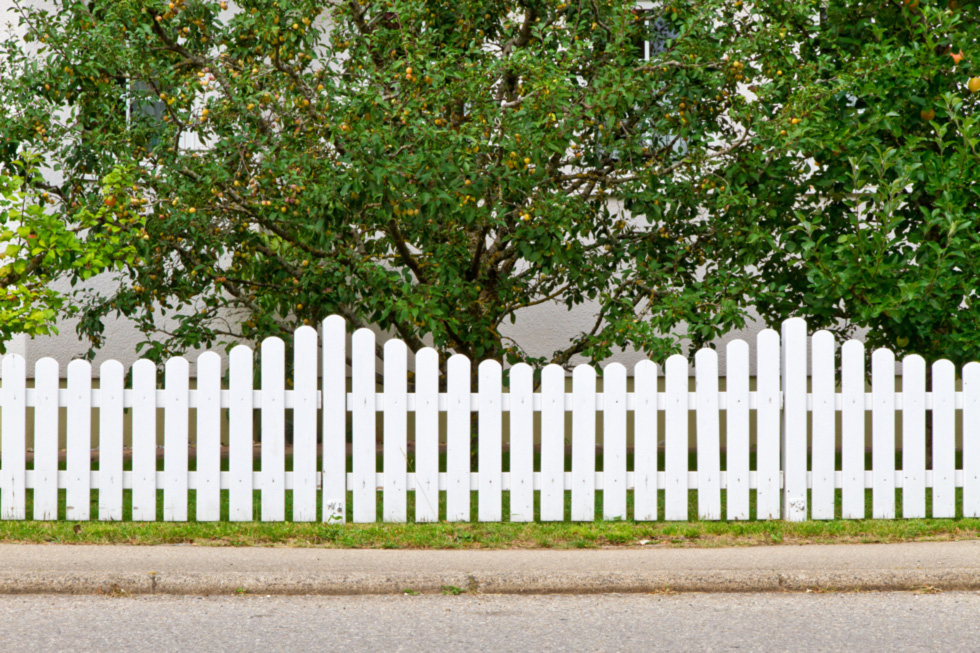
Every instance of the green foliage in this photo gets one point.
(37, 248)
(438, 168)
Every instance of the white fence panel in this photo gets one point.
(240, 454)
(781, 478)
(913, 436)
(208, 492)
(852, 430)
(395, 444)
(111, 381)
(971, 440)
(144, 440)
(363, 416)
(78, 494)
(175, 439)
(708, 435)
(943, 439)
(490, 442)
(824, 421)
(46, 418)
(768, 416)
(459, 431)
(645, 441)
(427, 436)
(614, 442)
(334, 419)
(883, 434)
(737, 423)
(793, 443)
(13, 437)
(304, 424)
(521, 443)
(583, 443)
(552, 443)
(676, 439)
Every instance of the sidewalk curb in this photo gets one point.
(728, 581)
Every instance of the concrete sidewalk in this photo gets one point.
(33, 568)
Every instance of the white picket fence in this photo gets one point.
(781, 401)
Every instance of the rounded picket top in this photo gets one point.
(583, 373)
(177, 365)
(12, 363)
(971, 374)
(458, 364)
(395, 347)
(207, 358)
(767, 339)
(426, 358)
(273, 345)
(46, 365)
(305, 331)
(913, 362)
(111, 370)
(521, 371)
(737, 347)
(943, 366)
(240, 351)
(614, 369)
(706, 356)
(676, 364)
(75, 367)
(146, 366)
(794, 327)
(882, 356)
(852, 348)
(824, 338)
(553, 374)
(490, 368)
(362, 337)
(645, 366)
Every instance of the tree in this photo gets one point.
(427, 166)
(870, 181)
(436, 168)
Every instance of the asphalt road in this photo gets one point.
(605, 622)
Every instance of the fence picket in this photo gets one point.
(208, 449)
(943, 439)
(427, 435)
(552, 443)
(363, 417)
(583, 443)
(78, 490)
(824, 438)
(971, 440)
(304, 424)
(521, 442)
(490, 442)
(913, 436)
(614, 442)
(395, 432)
(13, 438)
(459, 430)
(273, 451)
(707, 434)
(645, 441)
(676, 439)
(883, 434)
(737, 422)
(46, 418)
(240, 455)
(334, 419)
(793, 442)
(768, 425)
(111, 380)
(144, 440)
(175, 440)
(852, 430)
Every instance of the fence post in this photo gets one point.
(794, 424)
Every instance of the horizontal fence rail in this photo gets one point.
(809, 451)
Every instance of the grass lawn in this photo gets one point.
(442, 535)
